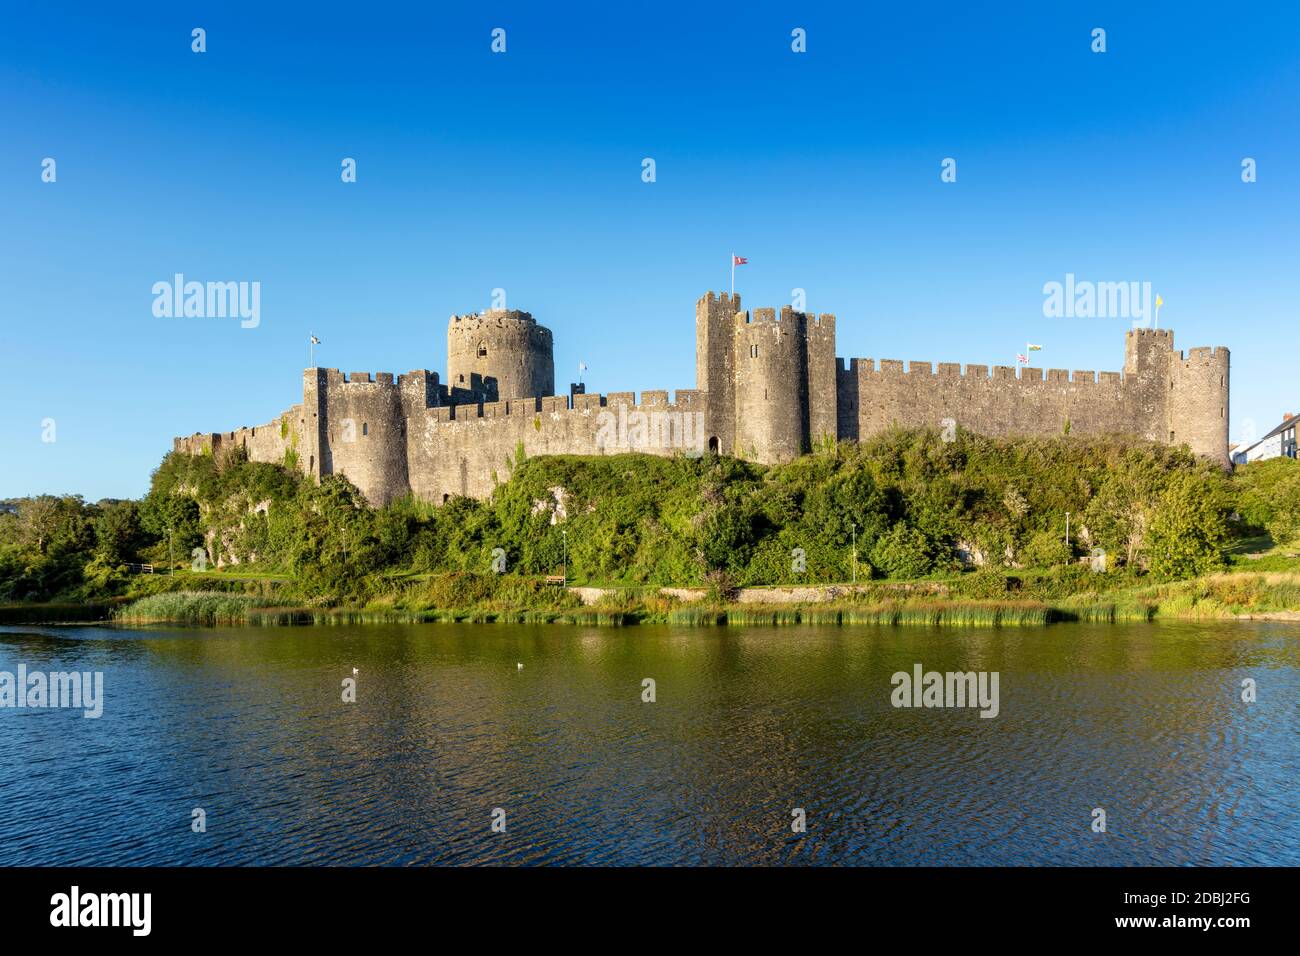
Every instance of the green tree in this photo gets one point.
(1190, 529)
(171, 519)
(118, 534)
(1120, 512)
(53, 526)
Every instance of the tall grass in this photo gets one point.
(938, 614)
(1215, 596)
(926, 613)
(1105, 612)
(191, 607)
(750, 614)
(696, 615)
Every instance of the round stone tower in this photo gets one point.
(770, 373)
(1197, 410)
(498, 355)
(364, 432)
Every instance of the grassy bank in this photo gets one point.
(1221, 596)
(217, 608)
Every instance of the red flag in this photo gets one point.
(738, 260)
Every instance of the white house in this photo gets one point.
(1276, 444)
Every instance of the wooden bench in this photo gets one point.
(556, 579)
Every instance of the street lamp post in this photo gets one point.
(855, 552)
(564, 562)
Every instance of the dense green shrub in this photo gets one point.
(984, 583)
(906, 497)
(1046, 549)
(903, 552)
(1268, 497)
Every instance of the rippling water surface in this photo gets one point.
(247, 723)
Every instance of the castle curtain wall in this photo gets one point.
(771, 389)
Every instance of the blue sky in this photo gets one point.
(523, 171)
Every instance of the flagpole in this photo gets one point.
(733, 275)
(311, 349)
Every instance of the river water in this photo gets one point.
(748, 724)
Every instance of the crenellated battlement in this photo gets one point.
(1205, 355)
(787, 316)
(581, 402)
(891, 368)
(1155, 335)
(756, 317)
(724, 300)
(333, 378)
(497, 317)
(367, 378)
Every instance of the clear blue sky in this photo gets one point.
(523, 171)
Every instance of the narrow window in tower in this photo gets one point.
(365, 429)
(482, 350)
(753, 351)
(1171, 434)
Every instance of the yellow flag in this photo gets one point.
(1159, 301)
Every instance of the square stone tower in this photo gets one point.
(715, 317)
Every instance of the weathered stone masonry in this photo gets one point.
(769, 388)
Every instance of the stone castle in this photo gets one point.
(768, 388)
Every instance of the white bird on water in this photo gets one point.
(519, 666)
(354, 670)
